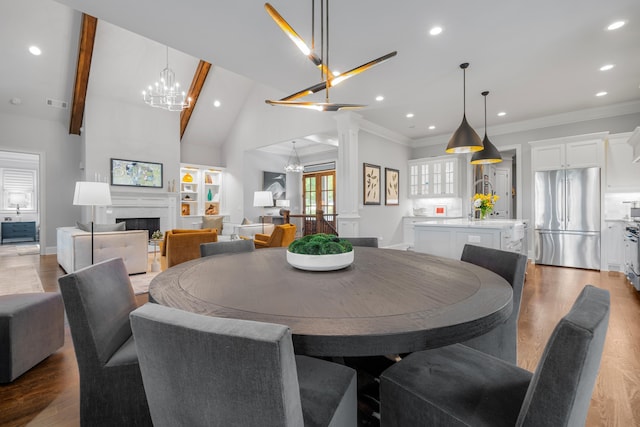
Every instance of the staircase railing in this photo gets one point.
(313, 223)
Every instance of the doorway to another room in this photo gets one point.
(19, 206)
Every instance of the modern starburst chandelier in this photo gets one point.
(293, 164)
(329, 79)
(166, 93)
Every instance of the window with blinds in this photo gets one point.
(18, 189)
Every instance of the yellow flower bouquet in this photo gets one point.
(484, 203)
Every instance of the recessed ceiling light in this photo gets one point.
(35, 50)
(432, 127)
(216, 103)
(502, 113)
(409, 115)
(379, 98)
(607, 67)
(435, 31)
(616, 25)
(603, 93)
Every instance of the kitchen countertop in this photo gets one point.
(466, 223)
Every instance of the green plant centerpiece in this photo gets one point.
(320, 252)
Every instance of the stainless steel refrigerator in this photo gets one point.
(567, 217)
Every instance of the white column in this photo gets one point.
(347, 171)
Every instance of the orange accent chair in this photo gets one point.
(282, 236)
(182, 245)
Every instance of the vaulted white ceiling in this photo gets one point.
(536, 58)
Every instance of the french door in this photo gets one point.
(319, 192)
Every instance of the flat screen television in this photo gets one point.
(134, 173)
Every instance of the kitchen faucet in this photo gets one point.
(485, 181)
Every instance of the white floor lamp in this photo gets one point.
(92, 194)
(262, 199)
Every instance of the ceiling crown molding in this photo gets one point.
(596, 113)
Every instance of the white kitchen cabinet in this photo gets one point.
(572, 152)
(446, 238)
(434, 177)
(622, 175)
(613, 244)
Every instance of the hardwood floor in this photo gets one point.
(48, 394)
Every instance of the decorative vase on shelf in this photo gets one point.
(187, 177)
(209, 195)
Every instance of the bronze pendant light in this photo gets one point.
(464, 139)
(490, 154)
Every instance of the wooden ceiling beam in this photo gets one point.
(199, 78)
(85, 52)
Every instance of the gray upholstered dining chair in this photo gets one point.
(208, 371)
(457, 385)
(371, 242)
(502, 341)
(98, 300)
(232, 246)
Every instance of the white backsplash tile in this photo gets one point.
(614, 206)
(427, 207)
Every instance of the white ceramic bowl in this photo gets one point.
(320, 262)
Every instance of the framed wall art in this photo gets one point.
(371, 184)
(276, 182)
(392, 187)
(134, 173)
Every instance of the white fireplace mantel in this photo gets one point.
(138, 204)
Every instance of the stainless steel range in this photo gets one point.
(632, 254)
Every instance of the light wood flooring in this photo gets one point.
(48, 395)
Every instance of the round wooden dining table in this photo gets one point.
(386, 302)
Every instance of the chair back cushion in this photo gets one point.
(288, 234)
(202, 370)
(371, 242)
(98, 300)
(560, 391)
(502, 341)
(185, 246)
(233, 246)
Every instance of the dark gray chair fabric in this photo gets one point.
(31, 329)
(502, 341)
(460, 386)
(208, 371)
(232, 246)
(98, 300)
(371, 242)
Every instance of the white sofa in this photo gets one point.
(74, 248)
(250, 230)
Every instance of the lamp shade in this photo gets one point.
(490, 154)
(464, 139)
(92, 194)
(262, 199)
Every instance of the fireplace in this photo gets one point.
(149, 224)
(135, 205)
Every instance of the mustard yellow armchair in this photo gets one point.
(184, 245)
(282, 236)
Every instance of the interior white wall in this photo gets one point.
(114, 129)
(259, 125)
(255, 163)
(201, 154)
(384, 222)
(60, 168)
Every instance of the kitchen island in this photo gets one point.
(447, 237)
